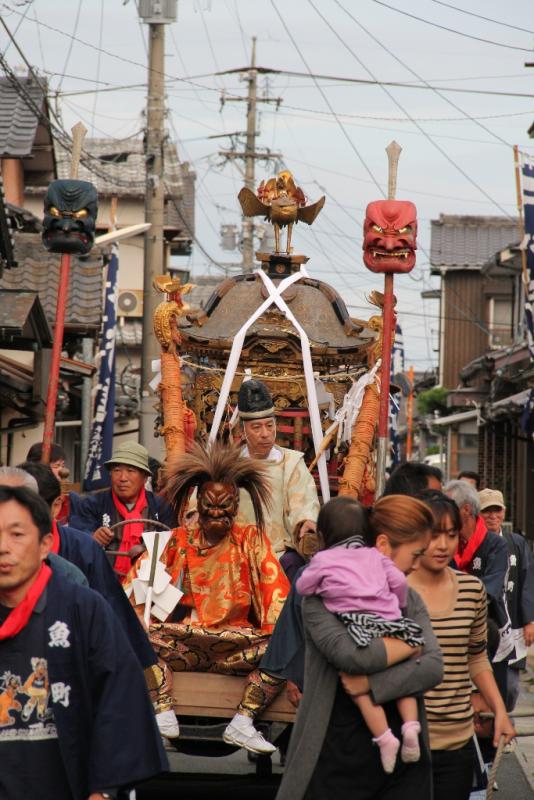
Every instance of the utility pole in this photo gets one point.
(152, 13)
(248, 224)
(250, 154)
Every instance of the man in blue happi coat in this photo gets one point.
(83, 551)
(76, 722)
(127, 499)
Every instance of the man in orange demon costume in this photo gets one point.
(232, 583)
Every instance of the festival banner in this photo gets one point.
(101, 439)
(397, 368)
(528, 244)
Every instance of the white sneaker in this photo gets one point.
(249, 738)
(168, 724)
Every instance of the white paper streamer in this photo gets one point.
(347, 414)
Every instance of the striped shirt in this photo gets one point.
(461, 633)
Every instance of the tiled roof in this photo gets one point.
(18, 123)
(24, 134)
(38, 271)
(22, 320)
(469, 241)
(118, 168)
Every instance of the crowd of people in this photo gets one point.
(383, 638)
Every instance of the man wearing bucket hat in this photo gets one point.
(126, 499)
(295, 505)
(519, 588)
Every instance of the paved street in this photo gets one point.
(200, 779)
(233, 777)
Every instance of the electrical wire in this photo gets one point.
(438, 92)
(325, 117)
(480, 16)
(71, 44)
(327, 101)
(61, 134)
(452, 30)
(98, 62)
(438, 147)
(346, 175)
(21, 20)
(239, 24)
(39, 39)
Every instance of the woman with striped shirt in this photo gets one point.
(457, 606)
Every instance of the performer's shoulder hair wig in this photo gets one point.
(218, 463)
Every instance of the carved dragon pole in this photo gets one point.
(170, 388)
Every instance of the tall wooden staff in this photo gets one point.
(78, 135)
(393, 151)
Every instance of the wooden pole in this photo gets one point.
(393, 151)
(78, 135)
(409, 417)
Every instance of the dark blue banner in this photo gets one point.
(397, 367)
(528, 209)
(101, 440)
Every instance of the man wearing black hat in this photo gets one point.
(127, 499)
(295, 503)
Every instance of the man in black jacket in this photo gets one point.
(519, 588)
(126, 499)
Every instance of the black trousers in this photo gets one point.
(349, 764)
(452, 772)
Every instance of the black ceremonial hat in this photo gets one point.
(254, 401)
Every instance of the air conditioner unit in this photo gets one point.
(130, 303)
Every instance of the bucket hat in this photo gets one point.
(131, 453)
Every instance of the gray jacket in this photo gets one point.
(329, 650)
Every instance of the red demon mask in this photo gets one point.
(389, 236)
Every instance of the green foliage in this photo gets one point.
(432, 400)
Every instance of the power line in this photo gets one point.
(326, 100)
(39, 40)
(337, 79)
(416, 75)
(98, 62)
(451, 30)
(21, 20)
(324, 116)
(61, 134)
(480, 16)
(403, 109)
(71, 44)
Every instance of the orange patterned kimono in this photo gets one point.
(235, 590)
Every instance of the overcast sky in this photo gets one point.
(332, 137)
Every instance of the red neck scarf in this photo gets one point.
(18, 618)
(467, 550)
(131, 533)
(55, 537)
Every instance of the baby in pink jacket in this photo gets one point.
(367, 592)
